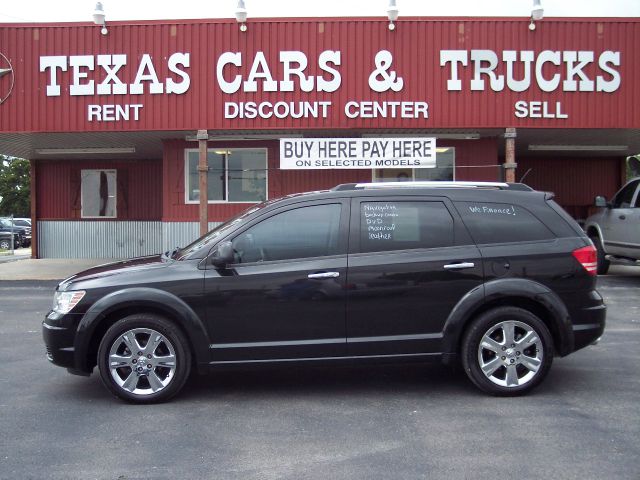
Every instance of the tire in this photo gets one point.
(5, 244)
(156, 382)
(512, 367)
(603, 263)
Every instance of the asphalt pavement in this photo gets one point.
(370, 422)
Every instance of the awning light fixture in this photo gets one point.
(99, 18)
(537, 13)
(392, 14)
(241, 15)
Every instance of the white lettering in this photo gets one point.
(478, 57)
(547, 57)
(182, 86)
(146, 73)
(111, 64)
(577, 75)
(260, 69)
(53, 63)
(113, 113)
(299, 58)
(509, 57)
(327, 57)
(233, 58)
(77, 62)
(454, 57)
(607, 58)
(585, 58)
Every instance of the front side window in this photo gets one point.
(404, 225)
(304, 232)
(98, 193)
(624, 197)
(235, 175)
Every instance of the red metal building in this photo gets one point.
(111, 122)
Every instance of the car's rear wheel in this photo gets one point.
(603, 263)
(144, 358)
(5, 244)
(507, 351)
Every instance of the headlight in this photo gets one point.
(63, 302)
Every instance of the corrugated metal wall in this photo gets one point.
(416, 45)
(98, 239)
(139, 195)
(114, 239)
(180, 234)
(575, 181)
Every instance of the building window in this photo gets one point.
(98, 193)
(236, 175)
(444, 170)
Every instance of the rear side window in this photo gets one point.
(404, 225)
(501, 223)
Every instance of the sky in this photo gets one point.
(13, 11)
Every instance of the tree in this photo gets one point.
(15, 187)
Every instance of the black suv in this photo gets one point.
(494, 275)
(6, 226)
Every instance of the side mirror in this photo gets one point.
(223, 255)
(600, 201)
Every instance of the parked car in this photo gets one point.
(26, 224)
(493, 275)
(22, 222)
(5, 240)
(6, 226)
(615, 229)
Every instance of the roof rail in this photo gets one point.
(433, 184)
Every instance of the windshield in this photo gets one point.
(217, 232)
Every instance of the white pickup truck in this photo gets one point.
(615, 229)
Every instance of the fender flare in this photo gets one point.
(594, 226)
(502, 290)
(141, 297)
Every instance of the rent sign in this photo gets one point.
(337, 153)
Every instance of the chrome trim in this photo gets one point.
(459, 266)
(323, 275)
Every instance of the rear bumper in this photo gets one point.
(591, 328)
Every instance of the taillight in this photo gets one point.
(588, 258)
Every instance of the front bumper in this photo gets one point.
(58, 333)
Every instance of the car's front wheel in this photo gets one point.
(507, 351)
(144, 358)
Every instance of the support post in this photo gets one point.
(33, 167)
(203, 171)
(510, 155)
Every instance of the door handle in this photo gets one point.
(459, 266)
(324, 275)
(622, 217)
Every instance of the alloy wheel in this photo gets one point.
(142, 361)
(510, 353)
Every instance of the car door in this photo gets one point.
(283, 297)
(410, 263)
(621, 222)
